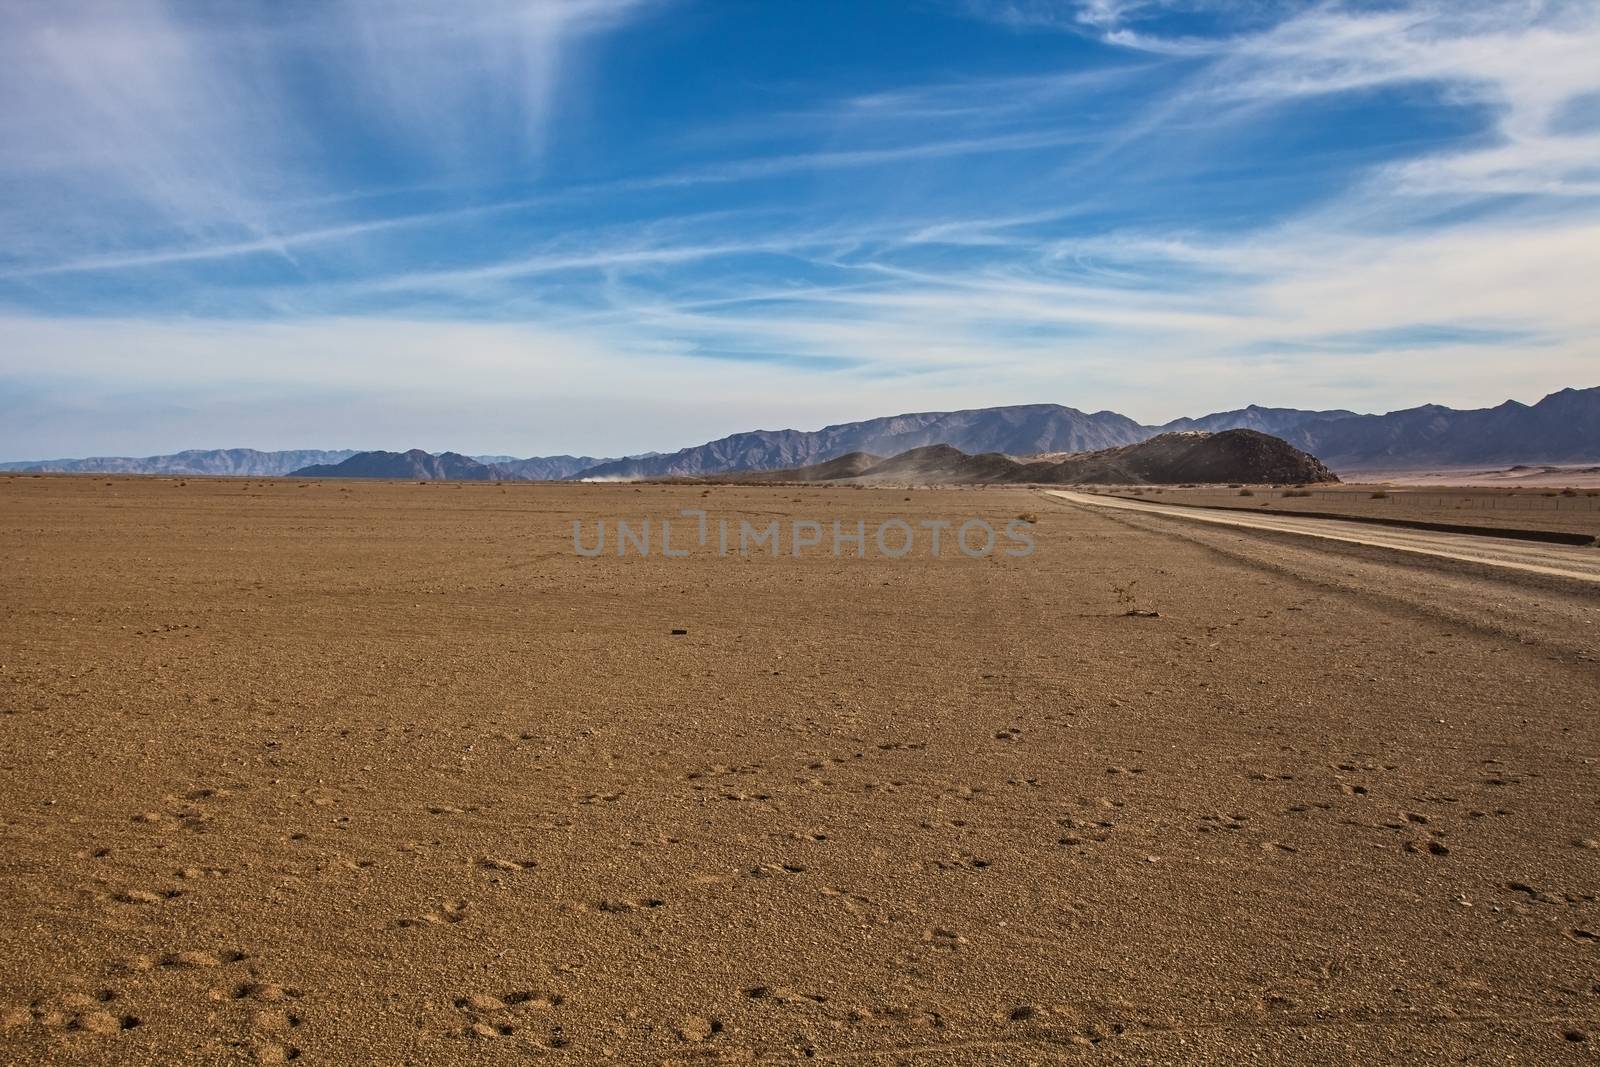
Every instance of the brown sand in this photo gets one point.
(1553, 475)
(383, 773)
(1522, 509)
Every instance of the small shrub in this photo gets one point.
(1247, 492)
(1380, 495)
(1027, 516)
(1236, 485)
(1297, 492)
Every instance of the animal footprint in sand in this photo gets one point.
(78, 1012)
(697, 1028)
(618, 907)
(784, 995)
(451, 911)
(865, 909)
(775, 870)
(265, 992)
(941, 938)
(146, 896)
(188, 959)
(1082, 831)
(273, 1020)
(447, 809)
(189, 873)
(490, 1016)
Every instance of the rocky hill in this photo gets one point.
(1244, 456)
(415, 465)
(1196, 456)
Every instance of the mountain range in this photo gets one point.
(1166, 459)
(234, 461)
(542, 468)
(248, 462)
(1020, 430)
(1564, 427)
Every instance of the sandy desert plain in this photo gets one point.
(385, 773)
(1565, 509)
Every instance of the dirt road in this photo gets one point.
(1557, 561)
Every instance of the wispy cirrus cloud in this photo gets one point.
(422, 67)
(1152, 205)
(180, 118)
(1521, 63)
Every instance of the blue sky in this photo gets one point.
(606, 226)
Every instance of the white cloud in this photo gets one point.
(1523, 62)
(128, 118)
(442, 74)
(897, 304)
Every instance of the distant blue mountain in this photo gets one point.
(236, 461)
(1564, 427)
